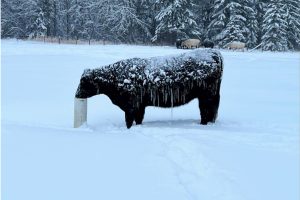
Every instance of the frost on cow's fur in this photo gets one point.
(159, 81)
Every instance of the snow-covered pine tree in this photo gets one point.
(235, 29)
(31, 18)
(293, 23)
(218, 22)
(143, 8)
(204, 10)
(97, 25)
(233, 21)
(38, 28)
(174, 20)
(251, 23)
(77, 12)
(275, 27)
(89, 17)
(242, 25)
(47, 8)
(7, 21)
(139, 20)
(65, 15)
(14, 18)
(55, 19)
(260, 7)
(121, 21)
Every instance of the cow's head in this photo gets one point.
(87, 87)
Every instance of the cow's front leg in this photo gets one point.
(129, 118)
(139, 115)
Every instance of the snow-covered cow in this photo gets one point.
(236, 45)
(133, 84)
(190, 43)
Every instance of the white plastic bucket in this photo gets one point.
(80, 112)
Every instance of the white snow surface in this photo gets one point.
(250, 153)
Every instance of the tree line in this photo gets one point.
(267, 24)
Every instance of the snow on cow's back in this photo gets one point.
(196, 65)
(174, 60)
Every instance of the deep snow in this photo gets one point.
(251, 152)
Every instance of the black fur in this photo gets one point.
(208, 44)
(178, 43)
(134, 84)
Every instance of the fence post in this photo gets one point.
(80, 112)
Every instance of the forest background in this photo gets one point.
(266, 24)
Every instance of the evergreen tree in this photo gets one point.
(148, 18)
(47, 8)
(55, 19)
(275, 27)
(260, 7)
(293, 23)
(66, 18)
(14, 18)
(242, 24)
(219, 19)
(204, 10)
(7, 22)
(122, 21)
(38, 28)
(235, 29)
(94, 19)
(251, 23)
(84, 20)
(175, 20)
(78, 20)
(233, 21)
(30, 19)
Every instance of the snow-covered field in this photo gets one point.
(250, 153)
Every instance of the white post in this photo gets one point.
(80, 112)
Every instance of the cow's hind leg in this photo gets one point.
(139, 115)
(209, 108)
(129, 118)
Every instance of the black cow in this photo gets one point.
(133, 84)
(178, 43)
(208, 44)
